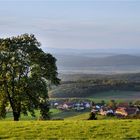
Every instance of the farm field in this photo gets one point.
(99, 129)
(123, 95)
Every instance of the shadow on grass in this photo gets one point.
(66, 114)
(4, 137)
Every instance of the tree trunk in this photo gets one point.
(16, 116)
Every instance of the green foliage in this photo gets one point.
(112, 104)
(92, 116)
(78, 90)
(25, 71)
(137, 103)
(88, 85)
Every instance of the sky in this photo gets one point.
(74, 24)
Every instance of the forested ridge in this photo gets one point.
(82, 86)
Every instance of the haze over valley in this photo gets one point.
(97, 61)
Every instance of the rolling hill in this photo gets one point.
(121, 63)
(120, 86)
(84, 61)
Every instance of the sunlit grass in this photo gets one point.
(99, 129)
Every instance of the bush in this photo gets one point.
(92, 116)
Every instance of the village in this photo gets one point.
(120, 110)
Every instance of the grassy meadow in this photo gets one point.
(74, 126)
(116, 95)
(53, 130)
(58, 114)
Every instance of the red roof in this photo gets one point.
(128, 110)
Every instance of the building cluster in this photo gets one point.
(120, 110)
(78, 106)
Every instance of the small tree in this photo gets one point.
(25, 71)
(112, 104)
(103, 102)
(92, 116)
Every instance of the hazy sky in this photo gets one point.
(74, 23)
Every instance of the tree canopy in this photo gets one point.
(25, 71)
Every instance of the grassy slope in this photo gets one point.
(85, 116)
(102, 130)
(54, 113)
(57, 114)
(124, 95)
(68, 114)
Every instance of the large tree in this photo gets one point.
(25, 73)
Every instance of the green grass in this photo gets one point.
(53, 114)
(57, 114)
(109, 95)
(69, 114)
(117, 95)
(85, 116)
(53, 130)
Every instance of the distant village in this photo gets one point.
(112, 108)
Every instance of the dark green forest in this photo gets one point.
(86, 85)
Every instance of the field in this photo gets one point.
(53, 130)
(64, 115)
(74, 126)
(123, 95)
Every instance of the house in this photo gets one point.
(98, 107)
(110, 112)
(56, 104)
(125, 111)
(138, 110)
(60, 107)
(103, 111)
(65, 106)
(124, 104)
(106, 111)
(79, 106)
(94, 110)
(87, 105)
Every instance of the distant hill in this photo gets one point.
(83, 61)
(87, 77)
(78, 73)
(74, 63)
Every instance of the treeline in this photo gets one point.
(89, 87)
(85, 77)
